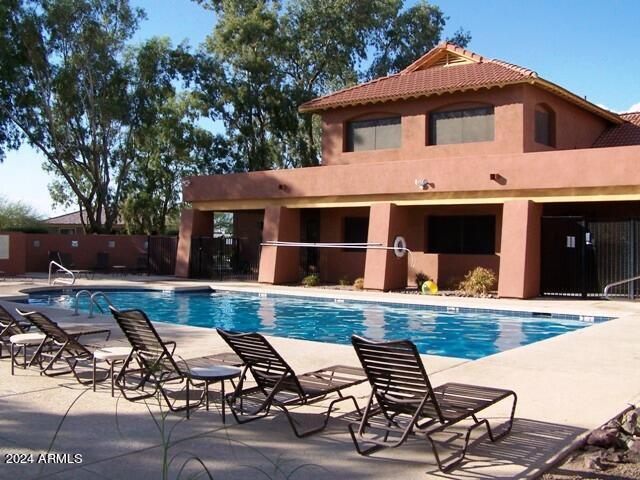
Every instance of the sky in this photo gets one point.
(589, 47)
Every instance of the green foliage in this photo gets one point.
(223, 223)
(344, 281)
(421, 277)
(265, 58)
(358, 283)
(312, 280)
(478, 282)
(18, 217)
(106, 116)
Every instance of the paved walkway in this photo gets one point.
(566, 386)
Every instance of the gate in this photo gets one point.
(161, 257)
(222, 258)
(580, 256)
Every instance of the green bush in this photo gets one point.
(421, 277)
(358, 283)
(312, 280)
(344, 281)
(478, 282)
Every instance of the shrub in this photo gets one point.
(358, 283)
(478, 282)
(312, 280)
(421, 277)
(344, 281)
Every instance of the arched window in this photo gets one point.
(545, 128)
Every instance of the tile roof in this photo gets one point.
(428, 76)
(73, 218)
(622, 135)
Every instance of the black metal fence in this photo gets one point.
(581, 256)
(222, 258)
(162, 253)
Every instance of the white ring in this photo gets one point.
(400, 246)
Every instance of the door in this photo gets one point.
(564, 255)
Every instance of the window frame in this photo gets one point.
(345, 220)
(545, 109)
(432, 130)
(461, 222)
(348, 144)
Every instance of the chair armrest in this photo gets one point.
(173, 346)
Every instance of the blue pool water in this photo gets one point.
(463, 333)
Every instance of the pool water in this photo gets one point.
(462, 333)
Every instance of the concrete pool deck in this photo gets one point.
(566, 386)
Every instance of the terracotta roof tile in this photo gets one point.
(628, 133)
(428, 75)
(422, 82)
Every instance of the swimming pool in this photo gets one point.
(454, 332)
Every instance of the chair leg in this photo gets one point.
(493, 437)
(325, 422)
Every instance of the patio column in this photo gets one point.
(520, 250)
(280, 264)
(192, 223)
(383, 270)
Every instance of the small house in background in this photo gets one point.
(469, 161)
(72, 224)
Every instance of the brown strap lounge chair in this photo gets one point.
(403, 401)
(279, 386)
(152, 362)
(9, 326)
(62, 345)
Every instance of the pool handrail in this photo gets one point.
(66, 271)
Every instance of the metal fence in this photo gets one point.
(581, 256)
(223, 258)
(162, 252)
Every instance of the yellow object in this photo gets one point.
(429, 287)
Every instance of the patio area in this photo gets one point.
(567, 386)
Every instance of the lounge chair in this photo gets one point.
(153, 363)
(405, 401)
(11, 327)
(63, 345)
(279, 386)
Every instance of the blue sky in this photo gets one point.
(587, 46)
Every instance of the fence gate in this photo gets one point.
(581, 256)
(223, 258)
(162, 253)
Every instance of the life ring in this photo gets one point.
(429, 287)
(400, 246)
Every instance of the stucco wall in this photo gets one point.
(336, 263)
(508, 127)
(575, 127)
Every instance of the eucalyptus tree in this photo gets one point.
(73, 87)
(264, 58)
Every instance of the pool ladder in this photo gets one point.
(92, 301)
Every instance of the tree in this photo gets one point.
(17, 215)
(265, 58)
(83, 97)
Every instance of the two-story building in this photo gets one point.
(474, 161)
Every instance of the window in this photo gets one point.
(356, 230)
(472, 234)
(375, 134)
(545, 129)
(461, 126)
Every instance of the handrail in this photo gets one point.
(92, 301)
(62, 281)
(608, 287)
(95, 302)
(77, 305)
